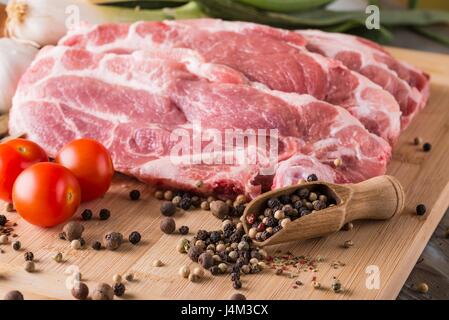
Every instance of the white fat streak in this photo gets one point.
(334, 43)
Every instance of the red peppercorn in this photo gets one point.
(261, 227)
(250, 218)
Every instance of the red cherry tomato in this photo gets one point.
(91, 164)
(15, 156)
(46, 194)
(31, 151)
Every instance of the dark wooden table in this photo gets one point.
(433, 266)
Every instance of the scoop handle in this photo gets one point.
(379, 198)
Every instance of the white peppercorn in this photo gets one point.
(75, 244)
(117, 278)
(252, 233)
(198, 272)
(194, 278)
(184, 272)
(220, 247)
(157, 263)
(4, 239)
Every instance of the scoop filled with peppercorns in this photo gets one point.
(313, 209)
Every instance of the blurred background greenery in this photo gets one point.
(427, 18)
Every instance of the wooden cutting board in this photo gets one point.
(393, 247)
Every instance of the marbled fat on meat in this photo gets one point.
(274, 57)
(133, 103)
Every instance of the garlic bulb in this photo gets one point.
(44, 22)
(15, 58)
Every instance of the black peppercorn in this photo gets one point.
(202, 235)
(246, 238)
(303, 193)
(134, 237)
(285, 199)
(421, 209)
(119, 289)
(237, 284)
(215, 236)
(271, 222)
(312, 177)
(29, 256)
(184, 230)
(134, 195)
(238, 212)
(105, 214)
(168, 208)
(87, 215)
(228, 227)
(426, 147)
(82, 242)
(62, 236)
(273, 203)
(96, 245)
(3, 220)
(186, 203)
(235, 275)
(297, 205)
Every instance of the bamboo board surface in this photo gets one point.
(392, 246)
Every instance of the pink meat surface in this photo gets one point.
(408, 85)
(274, 57)
(134, 103)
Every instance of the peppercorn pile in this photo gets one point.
(225, 251)
(280, 211)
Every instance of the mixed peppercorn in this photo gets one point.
(280, 211)
(187, 201)
(224, 251)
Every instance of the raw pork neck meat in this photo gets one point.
(274, 57)
(133, 103)
(408, 85)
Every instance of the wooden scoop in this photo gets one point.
(379, 198)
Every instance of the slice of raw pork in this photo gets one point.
(407, 84)
(274, 57)
(134, 103)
